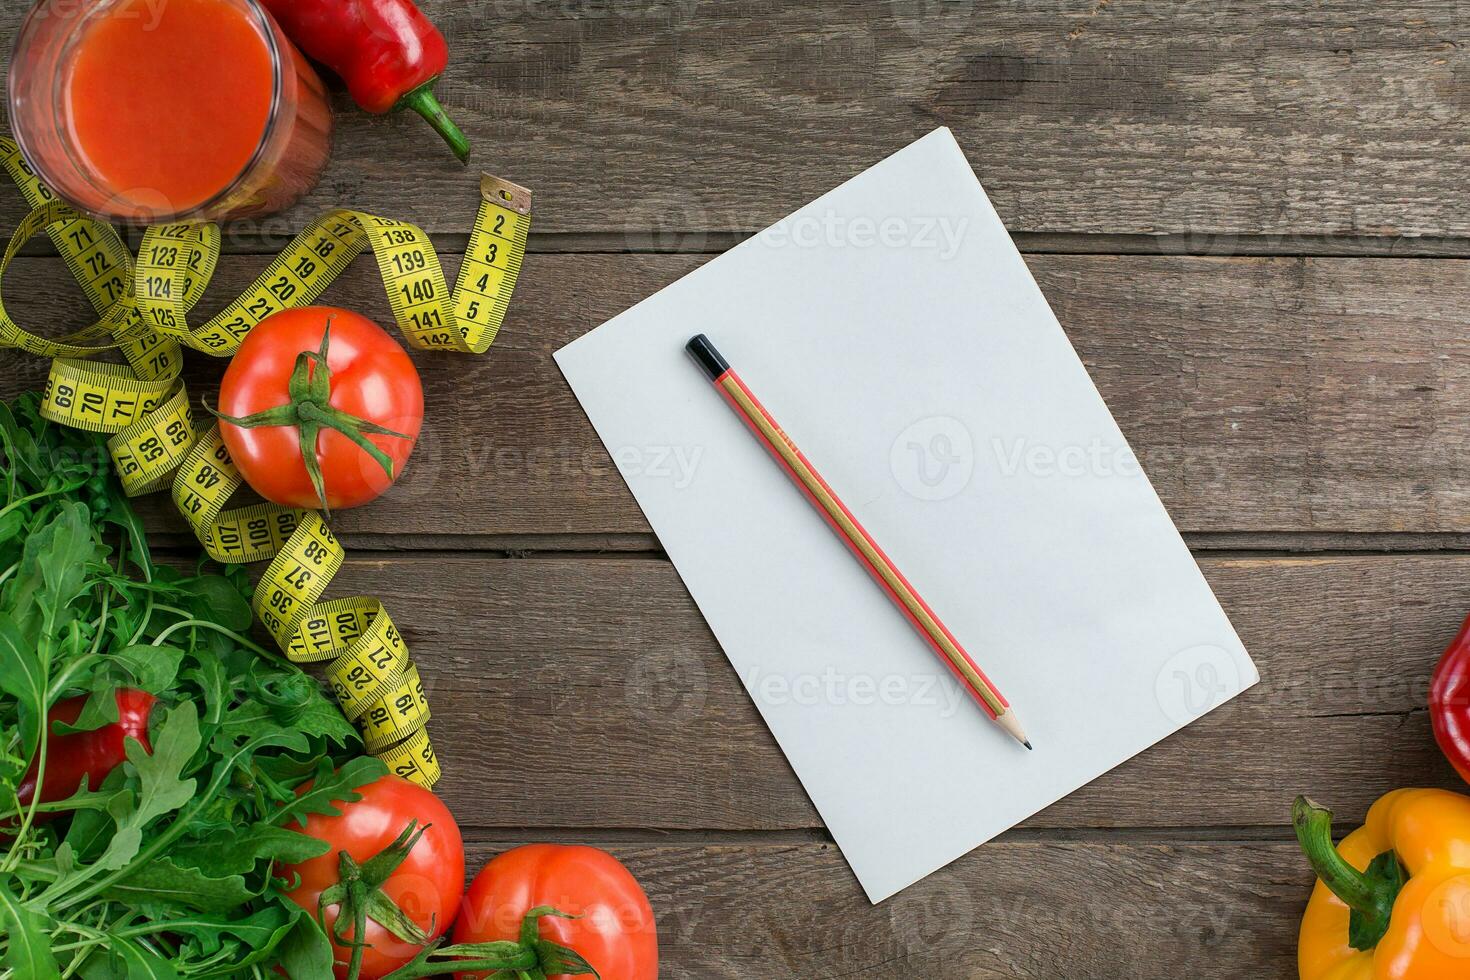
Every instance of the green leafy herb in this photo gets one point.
(164, 869)
(29, 948)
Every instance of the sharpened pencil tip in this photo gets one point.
(1028, 746)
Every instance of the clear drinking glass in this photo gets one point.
(292, 151)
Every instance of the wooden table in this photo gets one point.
(1250, 219)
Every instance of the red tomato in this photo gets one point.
(371, 379)
(616, 933)
(427, 886)
(86, 755)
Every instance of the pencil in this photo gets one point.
(861, 543)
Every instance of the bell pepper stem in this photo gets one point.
(1313, 825)
(423, 101)
(1370, 895)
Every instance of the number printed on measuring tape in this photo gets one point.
(492, 263)
(142, 306)
(414, 760)
(297, 576)
(147, 452)
(398, 715)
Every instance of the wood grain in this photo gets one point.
(1261, 394)
(1272, 400)
(1009, 911)
(1204, 118)
(589, 693)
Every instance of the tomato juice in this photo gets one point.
(150, 110)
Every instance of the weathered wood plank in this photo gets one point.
(1009, 911)
(589, 693)
(1199, 117)
(1262, 395)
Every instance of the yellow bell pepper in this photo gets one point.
(1393, 899)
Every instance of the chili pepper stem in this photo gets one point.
(423, 101)
(1370, 895)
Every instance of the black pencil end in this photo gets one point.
(704, 353)
(1028, 746)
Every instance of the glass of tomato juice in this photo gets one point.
(145, 111)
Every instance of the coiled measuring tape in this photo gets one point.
(142, 307)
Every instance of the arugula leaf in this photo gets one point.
(215, 598)
(20, 448)
(168, 868)
(323, 719)
(149, 668)
(208, 674)
(162, 880)
(30, 953)
(120, 513)
(62, 561)
(174, 744)
(104, 965)
(11, 524)
(160, 789)
(52, 572)
(332, 787)
(142, 963)
(259, 933)
(100, 709)
(306, 953)
(22, 678)
(91, 828)
(236, 852)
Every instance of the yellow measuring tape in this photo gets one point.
(142, 307)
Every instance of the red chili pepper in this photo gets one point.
(389, 54)
(1449, 702)
(86, 755)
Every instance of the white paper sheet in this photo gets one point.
(894, 331)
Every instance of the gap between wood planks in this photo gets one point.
(1120, 836)
(697, 242)
(645, 547)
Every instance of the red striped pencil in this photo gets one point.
(878, 564)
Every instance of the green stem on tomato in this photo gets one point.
(359, 935)
(311, 411)
(419, 967)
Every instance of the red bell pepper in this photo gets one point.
(389, 54)
(1449, 701)
(86, 755)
